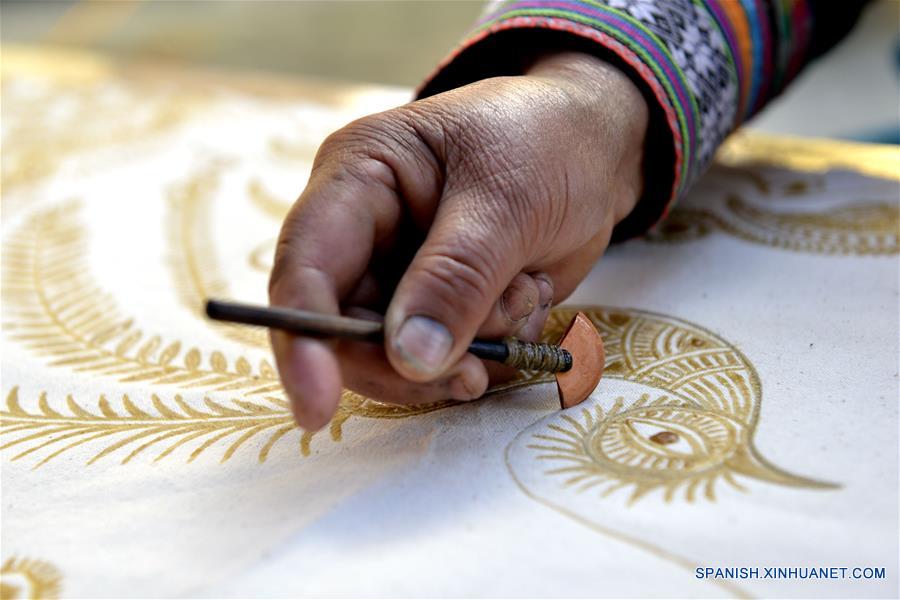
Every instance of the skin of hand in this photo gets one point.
(466, 213)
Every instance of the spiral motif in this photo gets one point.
(699, 441)
(676, 415)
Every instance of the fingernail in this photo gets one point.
(516, 304)
(423, 343)
(545, 289)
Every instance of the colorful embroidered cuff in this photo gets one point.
(703, 66)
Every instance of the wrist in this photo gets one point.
(614, 110)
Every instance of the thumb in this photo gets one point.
(466, 262)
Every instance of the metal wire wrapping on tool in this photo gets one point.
(531, 356)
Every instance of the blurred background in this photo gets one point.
(852, 93)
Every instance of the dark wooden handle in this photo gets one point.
(296, 321)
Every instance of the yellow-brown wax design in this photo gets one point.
(83, 118)
(676, 421)
(692, 431)
(92, 102)
(54, 307)
(60, 312)
(783, 209)
(29, 579)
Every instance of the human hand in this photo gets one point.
(467, 213)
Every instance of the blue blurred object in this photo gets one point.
(889, 135)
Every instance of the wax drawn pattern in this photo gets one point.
(78, 119)
(260, 258)
(29, 579)
(131, 427)
(685, 423)
(858, 227)
(695, 429)
(297, 152)
(196, 270)
(163, 427)
(805, 155)
(301, 149)
(53, 307)
(267, 202)
(58, 311)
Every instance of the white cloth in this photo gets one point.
(148, 452)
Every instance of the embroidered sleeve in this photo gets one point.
(704, 66)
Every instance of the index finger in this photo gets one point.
(364, 178)
(312, 271)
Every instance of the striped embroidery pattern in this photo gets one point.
(711, 64)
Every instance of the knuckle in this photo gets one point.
(359, 136)
(357, 153)
(374, 135)
(378, 148)
(365, 171)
